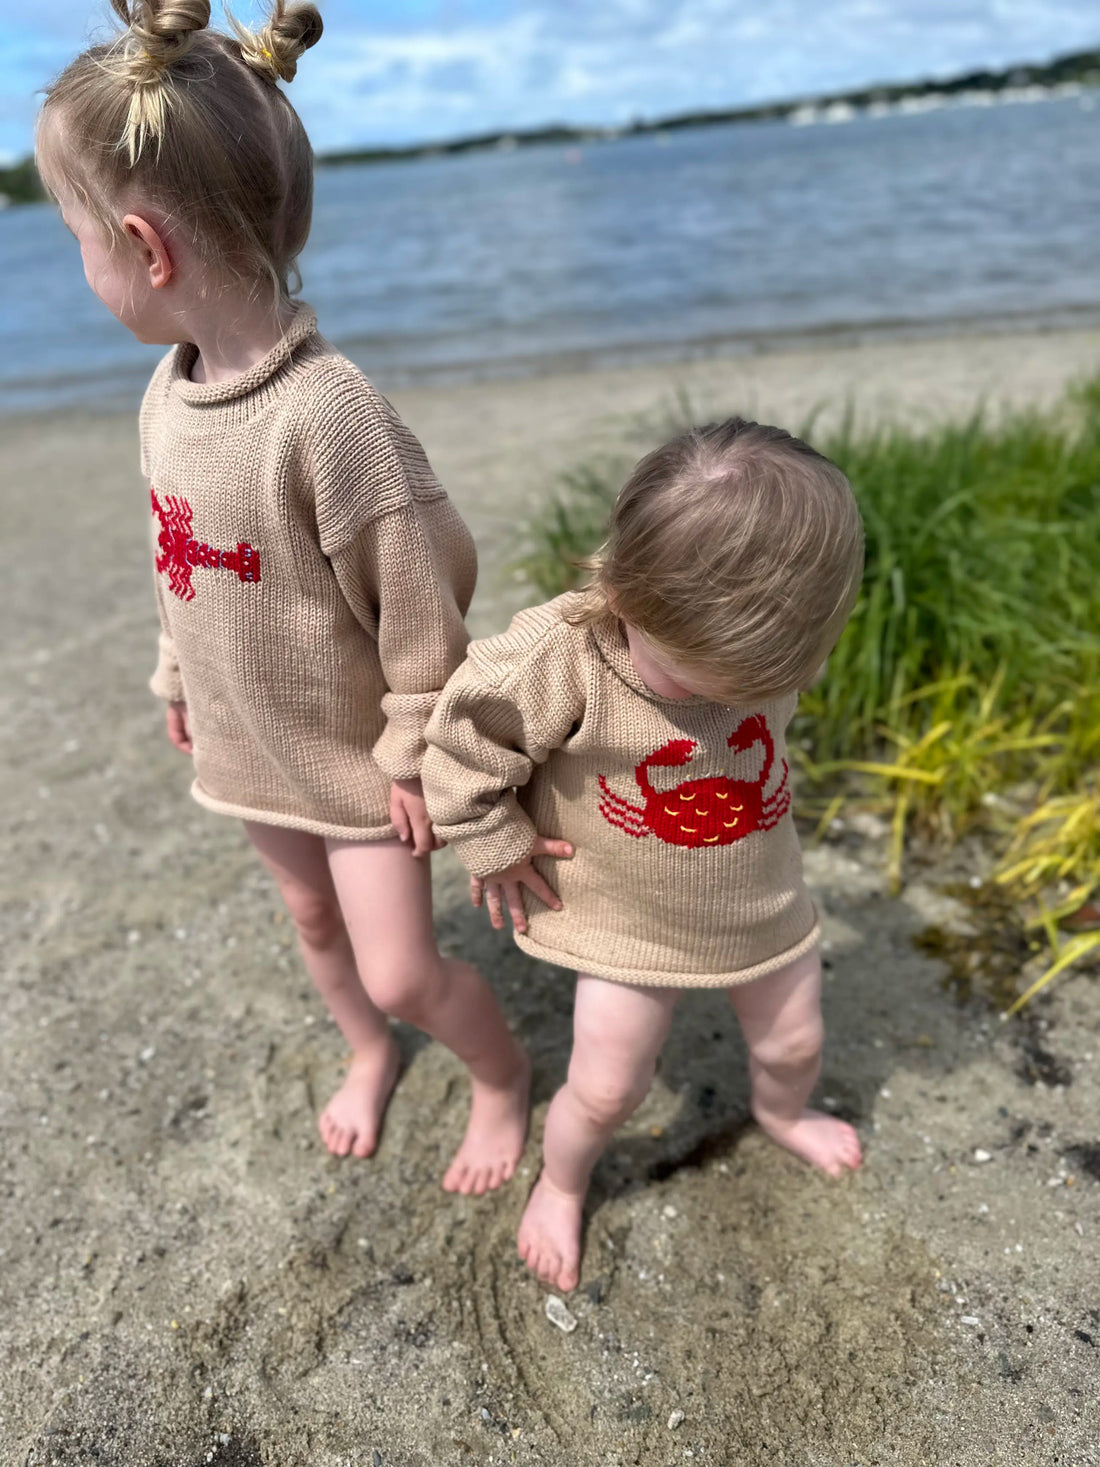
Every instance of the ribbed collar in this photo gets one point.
(613, 647)
(210, 394)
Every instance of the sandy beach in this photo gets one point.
(186, 1277)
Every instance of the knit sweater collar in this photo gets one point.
(613, 647)
(259, 375)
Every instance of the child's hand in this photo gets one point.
(410, 817)
(502, 887)
(179, 727)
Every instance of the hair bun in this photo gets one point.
(274, 50)
(160, 31)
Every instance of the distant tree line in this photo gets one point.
(20, 183)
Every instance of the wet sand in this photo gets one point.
(186, 1277)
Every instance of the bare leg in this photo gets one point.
(350, 1122)
(386, 900)
(780, 1018)
(618, 1031)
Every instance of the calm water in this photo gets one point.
(505, 261)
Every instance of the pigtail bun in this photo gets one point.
(158, 33)
(273, 51)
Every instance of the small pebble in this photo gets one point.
(559, 1315)
(981, 1155)
(969, 1319)
(670, 1211)
(675, 1419)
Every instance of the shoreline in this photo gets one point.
(86, 393)
(189, 1276)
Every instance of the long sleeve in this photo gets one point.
(408, 577)
(403, 558)
(517, 698)
(166, 681)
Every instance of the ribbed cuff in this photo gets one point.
(505, 836)
(399, 751)
(166, 682)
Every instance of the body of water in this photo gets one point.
(659, 245)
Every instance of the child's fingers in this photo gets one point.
(559, 848)
(400, 817)
(493, 902)
(423, 836)
(515, 906)
(544, 893)
(477, 889)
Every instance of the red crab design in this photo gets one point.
(702, 812)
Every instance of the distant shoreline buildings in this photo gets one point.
(1074, 75)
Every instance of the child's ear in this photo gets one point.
(154, 249)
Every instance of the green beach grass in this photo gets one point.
(965, 692)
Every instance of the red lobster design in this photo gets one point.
(702, 812)
(182, 552)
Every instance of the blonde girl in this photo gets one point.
(311, 575)
(612, 771)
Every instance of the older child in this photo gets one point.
(311, 575)
(625, 744)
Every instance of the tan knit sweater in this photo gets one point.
(687, 870)
(312, 579)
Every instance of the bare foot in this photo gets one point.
(351, 1121)
(549, 1240)
(823, 1141)
(495, 1133)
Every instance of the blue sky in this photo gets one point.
(393, 73)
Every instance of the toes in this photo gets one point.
(549, 1267)
(455, 1176)
(568, 1278)
(364, 1145)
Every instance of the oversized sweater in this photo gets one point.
(687, 870)
(311, 577)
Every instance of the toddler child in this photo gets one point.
(311, 575)
(612, 770)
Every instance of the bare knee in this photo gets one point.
(608, 1099)
(316, 917)
(794, 1048)
(405, 988)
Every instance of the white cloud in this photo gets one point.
(389, 72)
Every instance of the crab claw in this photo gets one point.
(749, 731)
(676, 751)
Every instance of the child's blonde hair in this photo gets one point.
(186, 121)
(737, 551)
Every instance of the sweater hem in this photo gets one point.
(293, 822)
(653, 978)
